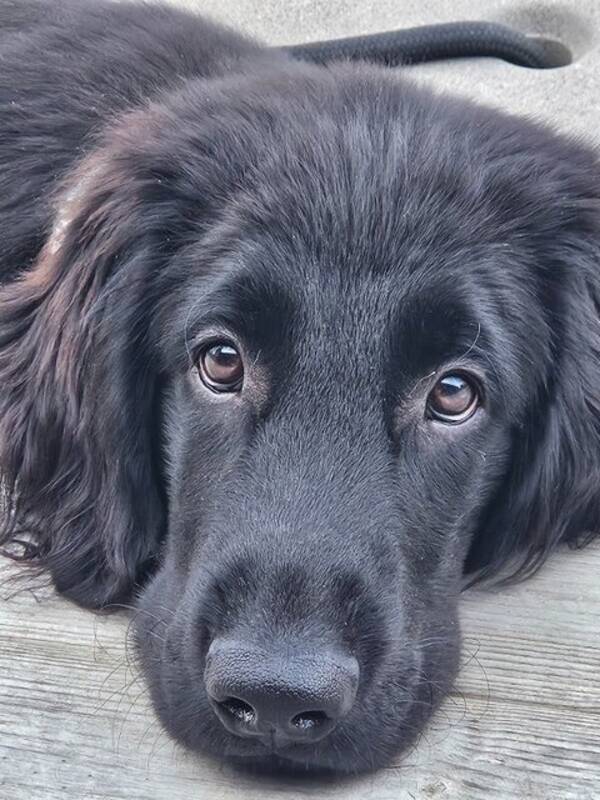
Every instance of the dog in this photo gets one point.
(288, 355)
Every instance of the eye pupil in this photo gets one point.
(453, 399)
(221, 367)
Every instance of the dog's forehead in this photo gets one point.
(350, 221)
(343, 306)
(344, 270)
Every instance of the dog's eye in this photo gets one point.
(454, 398)
(221, 367)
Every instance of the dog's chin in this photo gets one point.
(325, 758)
(262, 758)
(282, 764)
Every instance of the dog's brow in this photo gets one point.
(242, 303)
(213, 308)
(431, 329)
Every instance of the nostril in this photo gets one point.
(238, 709)
(309, 721)
(266, 695)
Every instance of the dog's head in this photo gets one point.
(300, 351)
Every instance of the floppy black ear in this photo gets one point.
(552, 492)
(77, 424)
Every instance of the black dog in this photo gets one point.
(298, 347)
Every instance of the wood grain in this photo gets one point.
(524, 721)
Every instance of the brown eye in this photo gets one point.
(454, 398)
(221, 367)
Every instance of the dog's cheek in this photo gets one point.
(204, 454)
(156, 647)
(168, 643)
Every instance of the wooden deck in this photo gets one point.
(524, 722)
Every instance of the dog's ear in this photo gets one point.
(551, 494)
(77, 392)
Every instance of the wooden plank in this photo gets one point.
(524, 722)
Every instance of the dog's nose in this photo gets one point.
(280, 698)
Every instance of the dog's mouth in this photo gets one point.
(281, 758)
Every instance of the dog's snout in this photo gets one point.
(282, 698)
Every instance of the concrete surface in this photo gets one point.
(569, 96)
(525, 719)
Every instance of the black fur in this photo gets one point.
(161, 180)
